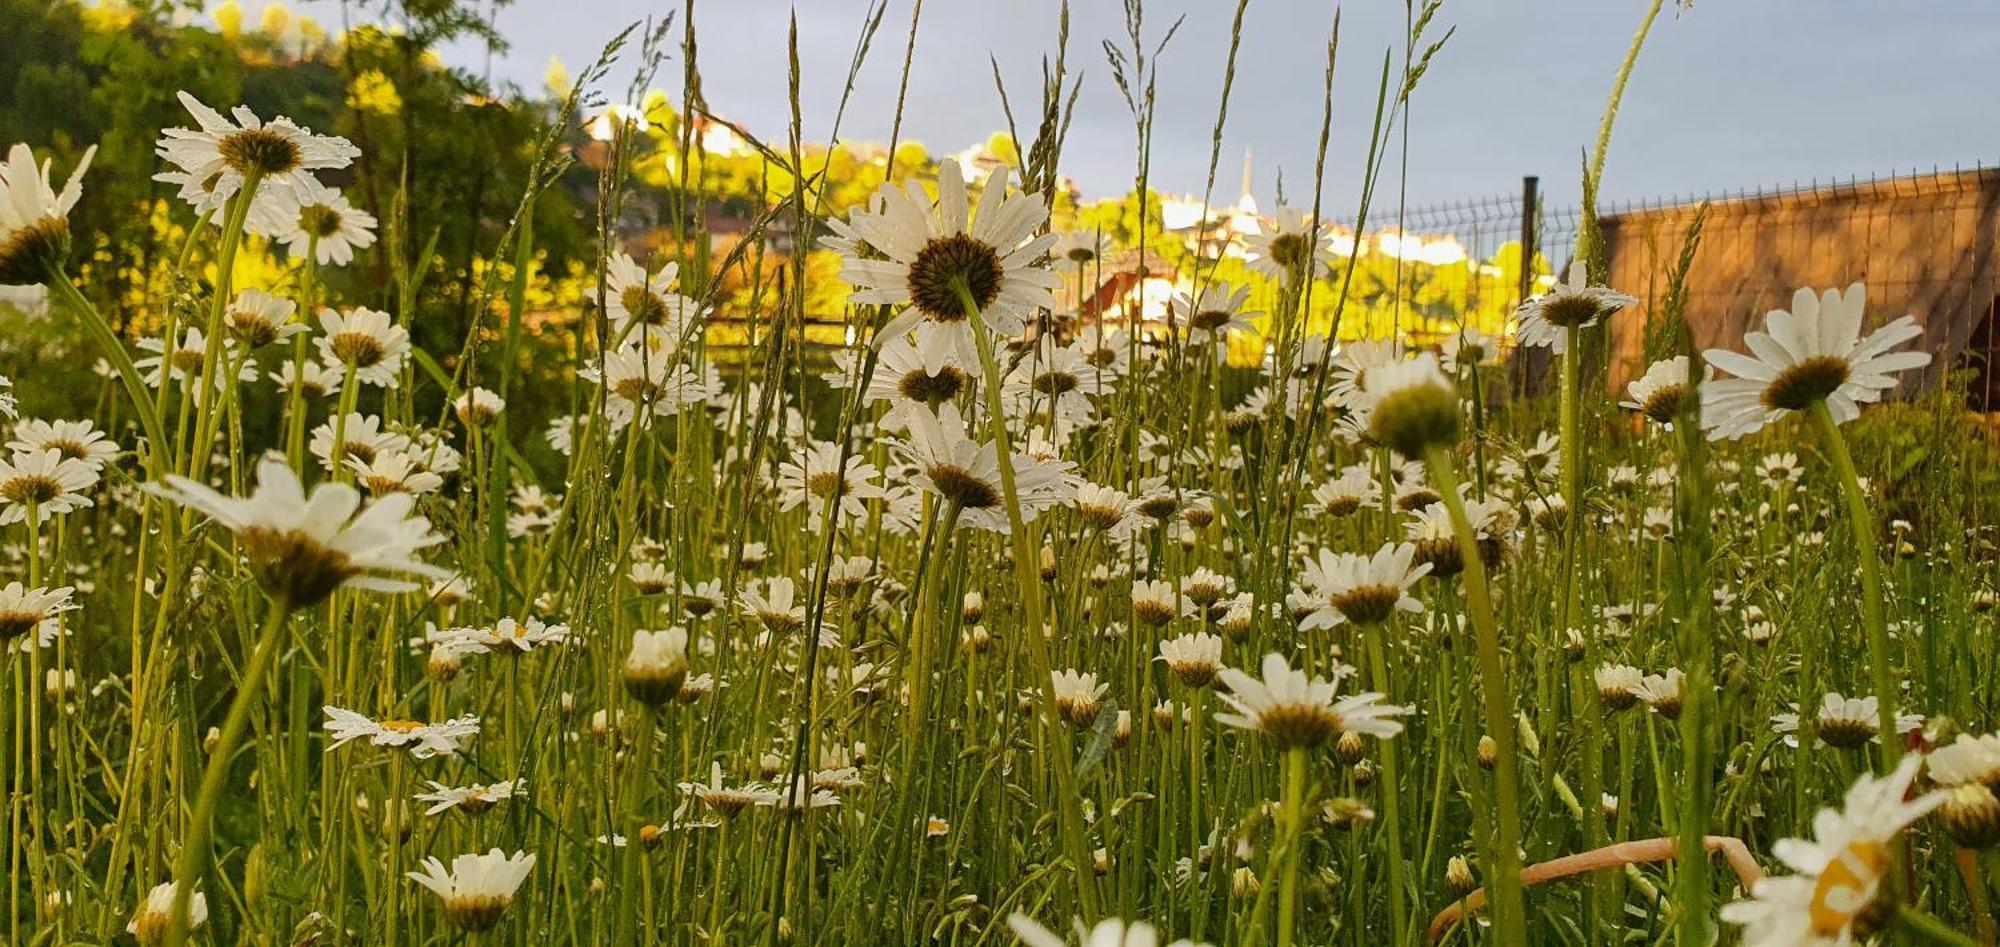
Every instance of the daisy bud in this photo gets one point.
(1458, 877)
(1489, 752)
(444, 662)
(657, 666)
(1345, 813)
(1243, 883)
(769, 765)
(1076, 696)
(978, 640)
(149, 923)
(1121, 729)
(1971, 816)
(1164, 714)
(1349, 748)
(974, 608)
(1414, 408)
(1048, 564)
(1363, 773)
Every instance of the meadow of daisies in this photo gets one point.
(1042, 629)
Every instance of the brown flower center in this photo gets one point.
(319, 220)
(1570, 310)
(260, 150)
(294, 567)
(644, 306)
(1797, 387)
(27, 255)
(358, 349)
(947, 264)
(29, 489)
(1369, 604)
(931, 389)
(960, 486)
(1054, 383)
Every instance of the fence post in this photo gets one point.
(1530, 185)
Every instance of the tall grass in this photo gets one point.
(907, 694)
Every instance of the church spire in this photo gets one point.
(1245, 202)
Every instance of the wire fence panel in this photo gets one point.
(1926, 244)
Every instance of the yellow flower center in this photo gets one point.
(1846, 887)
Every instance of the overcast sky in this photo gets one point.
(1730, 94)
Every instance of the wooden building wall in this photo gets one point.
(1925, 246)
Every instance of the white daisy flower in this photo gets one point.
(425, 740)
(642, 384)
(1839, 872)
(212, 161)
(362, 439)
(1076, 694)
(1285, 245)
(1815, 352)
(393, 472)
(477, 889)
(303, 547)
(637, 295)
(1547, 320)
(256, 318)
(931, 252)
(508, 636)
(150, 922)
(778, 606)
(815, 474)
(310, 379)
(1295, 710)
(34, 218)
(23, 609)
(42, 484)
(727, 801)
(1194, 658)
(1466, 348)
(1053, 381)
(1110, 932)
(185, 361)
(1215, 314)
(74, 440)
(367, 341)
(953, 466)
(657, 665)
(473, 799)
(477, 407)
(312, 218)
(1365, 590)
(1662, 391)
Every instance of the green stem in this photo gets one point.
(1510, 919)
(1292, 806)
(1082, 866)
(194, 859)
(1865, 549)
(1927, 929)
(1391, 794)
